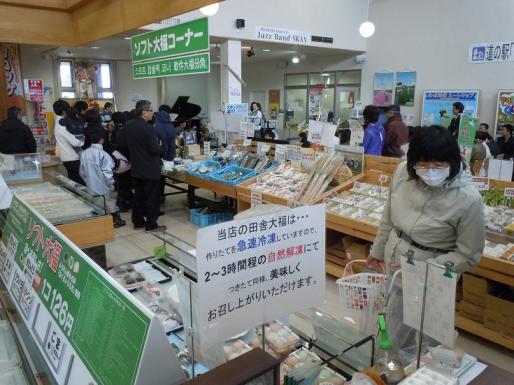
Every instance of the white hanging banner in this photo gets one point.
(255, 270)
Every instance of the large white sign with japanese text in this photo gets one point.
(255, 270)
(499, 51)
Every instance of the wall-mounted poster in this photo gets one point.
(383, 89)
(504, 108)
(405, 88)
(439, 103)
(13, 79)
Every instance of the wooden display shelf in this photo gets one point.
(381, 163)
(479, 329)
(218, 188)
(89, 232)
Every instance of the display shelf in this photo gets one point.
(480, 330)
(215, 187)
(381, 163)
(89, 232)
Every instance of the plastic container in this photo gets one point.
(209, 164)
(232, 175)
(204, 220)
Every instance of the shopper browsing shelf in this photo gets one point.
(458, 110)
(96, 168)
(433, 209)
(67, 143)
(15, 136)
(373, 131)
(506, 142)
(106, 116)
(140, 144)
(304, 143)
(396, 132)
(93, 122)
(483, 127)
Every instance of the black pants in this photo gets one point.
(124, 186)
(72, 168)
(146, 202)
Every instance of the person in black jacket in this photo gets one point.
(15, 136)
(140, 144)
(458, 109)
(506, 142)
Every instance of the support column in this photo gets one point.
(230, 85)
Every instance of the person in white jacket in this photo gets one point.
(65, 143)
(433, 210)
(96, 169)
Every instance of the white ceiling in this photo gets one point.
(118, 48)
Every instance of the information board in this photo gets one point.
(437, 103)
(88, 329)
(199, 63)
(181, 39)
(255, 270)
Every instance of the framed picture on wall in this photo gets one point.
(438, 104)
(383, 89)
(405, 88)
(504, 109)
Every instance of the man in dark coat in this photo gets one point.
(140, 144)
(396, 133)
(15, 136)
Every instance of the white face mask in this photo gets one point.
(434, 177)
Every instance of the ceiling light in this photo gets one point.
(266, 50)
(325, 74)
(128, 38)
(295, 60)
(210, 10)
(95, 47)
(367, 29)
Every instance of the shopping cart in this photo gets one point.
(363, 296)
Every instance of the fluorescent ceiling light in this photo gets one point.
(95, 47)
(367, 29)
(265, 50)
(210, 10)
(295, 60)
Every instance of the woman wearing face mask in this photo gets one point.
(433, 209)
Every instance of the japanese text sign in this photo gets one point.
(171, 41)
(81, 322)
(509, 193)
(466, 139)
(255, 270)
(177, 66)
(33, 89)
(439, 103)
(499, 51)
(237, 108)
(482, 184)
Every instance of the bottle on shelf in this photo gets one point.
(387, 361)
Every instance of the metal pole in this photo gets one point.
(191, 331)
(263, 337)
(420, 333)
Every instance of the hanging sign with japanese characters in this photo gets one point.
(175, 66)
(255, 270)
(88, 330)
(181, 39)
(499, 51)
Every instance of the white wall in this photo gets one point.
(433, 38)
(125, 86)
(339, 19)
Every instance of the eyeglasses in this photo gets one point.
(432, 165)
(149, 110)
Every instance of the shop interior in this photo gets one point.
(165, 305)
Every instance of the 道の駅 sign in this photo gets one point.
(255, 270)
(499, 51)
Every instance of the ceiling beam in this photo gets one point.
(68, 23)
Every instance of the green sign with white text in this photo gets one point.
(175, 66)
(467, 131)
(87, 329)
(181, 39)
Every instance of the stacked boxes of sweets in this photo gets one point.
(301, 357)
(363, 202)
(233, 349)
(498, 211)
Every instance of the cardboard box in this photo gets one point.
(499, 312)
(472, 311)
(357, 251)
(475, 289)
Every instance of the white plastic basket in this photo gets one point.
(363, 297)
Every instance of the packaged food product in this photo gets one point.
(233, 349)
(280, 339)
(133, 280)
(121, 270)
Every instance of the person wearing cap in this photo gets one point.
(396, 133)
(458, 110)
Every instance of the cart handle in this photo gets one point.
(348, 265)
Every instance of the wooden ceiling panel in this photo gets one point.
(49, 4)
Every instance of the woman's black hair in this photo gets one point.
(509, 127)
(459, 106)
(371, 113)
(93, 118)
(434, 144)
(345, 137)
(118, 118)
(73, 114)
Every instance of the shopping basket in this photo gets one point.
(363, 297)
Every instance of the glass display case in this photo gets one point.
(171, 293)
(21, 169)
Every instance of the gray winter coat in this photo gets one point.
(449, 218)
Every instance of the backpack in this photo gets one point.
(121, 163)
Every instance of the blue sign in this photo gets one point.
(437, 103)
(237, 108)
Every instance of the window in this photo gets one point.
(66, 79)
(99, 87)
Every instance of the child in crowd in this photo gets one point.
(74, 125)
(96, 168)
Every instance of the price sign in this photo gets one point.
(482, 184)
(247, 143)
(262, 148)
(509, 192)
(280, 152)
(206, 148)
(159, 251)
(256, 198)
(6, 162)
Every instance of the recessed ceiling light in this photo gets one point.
(210, 10)
(265, 50)
(295, 60)
(128, 38)
(95, 47)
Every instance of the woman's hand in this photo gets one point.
(375, 264)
